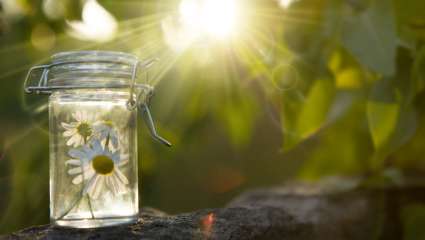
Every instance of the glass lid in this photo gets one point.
(86, 69)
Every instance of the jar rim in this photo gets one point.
(92, 55)
(88, 69)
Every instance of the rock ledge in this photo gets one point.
(279, 213)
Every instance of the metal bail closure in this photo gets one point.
(143, 107)
(146, 114)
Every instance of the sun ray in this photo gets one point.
(168, 59)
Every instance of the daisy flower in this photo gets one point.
(106, 132)
(79, 131)
(99, 167)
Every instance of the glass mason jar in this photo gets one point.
(93, 105)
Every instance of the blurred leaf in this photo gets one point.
(320, 22)
(404, 81)
(343, 148)
(411, 20)
(418, 71)
(316, 107)
(410, 156)
(312, 114)
(383, 110)
(304, 42)
(392, 119)
(347, 71)
(371, 36)
(388, 123)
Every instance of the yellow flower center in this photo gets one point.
(84, 130)
(103, 164)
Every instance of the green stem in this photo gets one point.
(90, 206)
(107, 141)
(72, 207)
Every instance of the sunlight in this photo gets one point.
(97, 25)
(215, 18)
(203, 22)
(286, 3)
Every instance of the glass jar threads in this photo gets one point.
(93, 105)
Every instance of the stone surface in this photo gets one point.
(228, 223)
(301, 212)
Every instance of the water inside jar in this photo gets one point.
(93, 158)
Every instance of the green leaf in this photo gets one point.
(316, 107)
(349, 74)
(383, 111)
(371, 36)
(343, 148)
(391, 122)
(309, 116)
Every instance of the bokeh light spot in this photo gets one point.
(97, 25)
(285, 77)
(43, 37)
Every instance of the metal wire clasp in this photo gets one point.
(143, 104)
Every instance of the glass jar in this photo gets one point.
(93, 105)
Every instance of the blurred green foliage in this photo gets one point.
(319, 88)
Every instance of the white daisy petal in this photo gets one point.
(76, 154)
(86, 149)
(83, 116)
(95, 128)
(97, 147)
(77, 180)
(70, 126)
(79, 141)
(98, 187)
(71, 141)
(88, 172)
(74, 115)
(123, 162)
(110, 182)
(121, 176)
(74, 171)
(69, 133)
(73, 162)
(97, 125)
(78, 116)
(120, 185)
(90, 186)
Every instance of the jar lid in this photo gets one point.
(87, 69)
